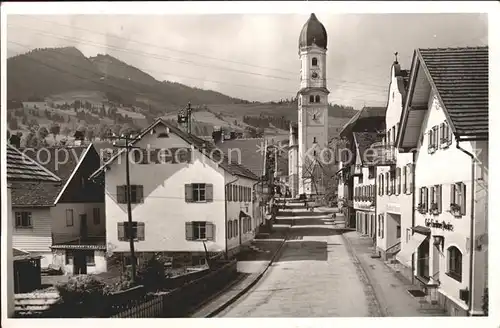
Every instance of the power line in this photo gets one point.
(182, 61)
(147, 85)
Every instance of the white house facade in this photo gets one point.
(182, 199)
(447, 126)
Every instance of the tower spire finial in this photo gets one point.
(396, 55)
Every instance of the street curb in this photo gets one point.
(365, 276)
(250, 285)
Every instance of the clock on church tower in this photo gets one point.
(313, 99)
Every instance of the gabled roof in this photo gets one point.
(459, 78)
(21, 167)
(197, 142)
(364, 140)
(365, 112)
(61, 161)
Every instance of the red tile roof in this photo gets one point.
(460, 77)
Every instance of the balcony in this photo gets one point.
(380, 154)
(61, 240)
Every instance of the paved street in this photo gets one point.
(315, 276)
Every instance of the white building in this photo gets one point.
(184, 195)
(445, 121)
(394, 179)
(364, 183)
(63, 221)
(312, 104)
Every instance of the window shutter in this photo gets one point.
(140, 231)
(405, 179)
(209, 192)
(439, 198)
(210, 231)
(432, 192)
(139, 194)
(426, 195)
(430, 139)
(420, 196)
(463, 199)
(120, 194)
(188, 192)
(442, 132)
(189, 230)
(241, 193)
(410, 178)
(227, 192)
(452, 194)
(121, 231)
(382, 185)
(236, 193)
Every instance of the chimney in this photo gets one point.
(15, 141)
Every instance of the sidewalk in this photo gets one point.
(391, 289)
(252, 264)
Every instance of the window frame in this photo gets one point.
(70, 210)
(454, 268)
(19, 216)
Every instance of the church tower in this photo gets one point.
(312, 102)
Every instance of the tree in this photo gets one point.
(43, 133)
(90, 134)
(66, 131)
(32, 140)
(55, 129)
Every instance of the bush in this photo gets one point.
(81, 289)
(151, 274)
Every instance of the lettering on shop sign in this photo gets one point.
(439, 225)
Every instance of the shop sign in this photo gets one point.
(430, 223)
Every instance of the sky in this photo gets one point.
(253, 56)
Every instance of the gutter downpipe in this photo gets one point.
(414, 153)
(471, 259)
(225, 213)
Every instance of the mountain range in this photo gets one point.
(54, 73)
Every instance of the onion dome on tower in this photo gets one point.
(313, 32)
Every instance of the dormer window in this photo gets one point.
(315, 61)
(317, 99)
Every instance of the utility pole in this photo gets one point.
(128, 139)
(185, 118)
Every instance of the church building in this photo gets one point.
(310, 137)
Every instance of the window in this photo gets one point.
(314, 61)
(382, 184)
(124, 231)
(458, 199)
(389, 137)
(23, 220)
(96, 216)
(371, 172)
(387, 183)
(433, 139)
(69, 218)
(314, 140)
(398, 231)
(235, 193)
(311, 99)
(136, 194)
(317, 99)
(230, 230)
(381, 225)
(240, 193)
(229, 194)
(445, 135)
(436, 197)
(198, 192)
(423, 259)
(398, 181)
(393, 141)
(455, 263)
(89, 258)
(235, 228)
(410, 178)
(423, 200)
(199, 230)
